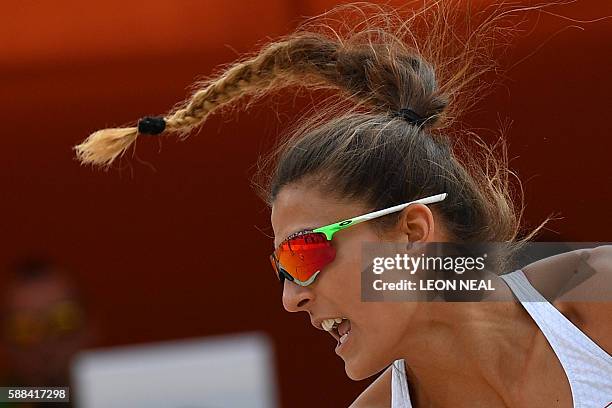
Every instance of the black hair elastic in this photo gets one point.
(151, 125)
(409, 116)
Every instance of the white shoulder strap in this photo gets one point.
(550, 320)
(587, 366)
(400, 397)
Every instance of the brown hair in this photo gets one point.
(431, 60)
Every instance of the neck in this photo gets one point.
(470, 348)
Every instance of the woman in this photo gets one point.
(385, 144)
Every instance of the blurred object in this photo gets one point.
(222, 371)
(61, 319)
(44, 323)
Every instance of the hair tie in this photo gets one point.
(409, 116)
(151, 125)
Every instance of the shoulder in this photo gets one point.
(601, 259)
(573, 273)
(579, 284)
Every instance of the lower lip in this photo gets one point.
(341, 347)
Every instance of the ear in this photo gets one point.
(416, 222)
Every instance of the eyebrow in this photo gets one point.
(295, 234)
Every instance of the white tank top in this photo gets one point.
(587, 366)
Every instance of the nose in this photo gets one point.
(296, 297)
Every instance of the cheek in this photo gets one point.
(343, 276)
(384, 325)
(349, 254)
(377, 341)
(381, 326)
(384, 329)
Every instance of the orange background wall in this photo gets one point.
(157, 245)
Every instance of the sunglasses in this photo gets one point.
(301, 257)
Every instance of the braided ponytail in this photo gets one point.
(376, 66)
(308, 57)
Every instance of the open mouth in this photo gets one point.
(339, 328)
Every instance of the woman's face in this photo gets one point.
(379, 331)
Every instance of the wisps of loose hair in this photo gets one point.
(429, 56)
(329, 51)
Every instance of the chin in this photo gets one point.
(357, 372)
(356, 375)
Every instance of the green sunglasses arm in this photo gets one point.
(330, 230)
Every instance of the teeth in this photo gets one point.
(343, 338)
(329, 324)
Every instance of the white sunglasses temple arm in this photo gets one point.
(330, 230)
(376, 214)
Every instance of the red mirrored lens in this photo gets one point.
(302, 256)
(274, 267)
